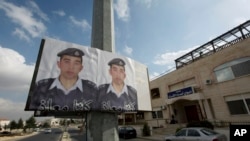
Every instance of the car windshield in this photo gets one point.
(121, 128)
(129, 128)
(208, 132)
(182, 132)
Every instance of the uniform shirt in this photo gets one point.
(124, 90)
(58, 84)
(47, 96)
(110, 101)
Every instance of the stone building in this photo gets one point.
(4, 123)
(211, 82)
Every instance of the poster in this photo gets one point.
(70, 77)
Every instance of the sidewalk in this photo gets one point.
(155, 137)
(8, 138)
(66, 137)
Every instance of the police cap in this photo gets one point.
(71, 52)
(117, 61)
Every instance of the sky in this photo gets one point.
(152, 32)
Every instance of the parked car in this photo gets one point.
(196, 133)
(47, 130)
(36, 129)
(5, 133)
(127, 132)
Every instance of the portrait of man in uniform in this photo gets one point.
(67, 92)
(117, 95)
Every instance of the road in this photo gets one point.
(56, 134)
(40, 136)
(136, 139)
(77, 136)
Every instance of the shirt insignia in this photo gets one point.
(77, 53)
(120, 63)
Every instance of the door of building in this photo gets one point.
(192, 113)
(129, 118)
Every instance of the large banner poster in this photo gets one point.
(71, 77)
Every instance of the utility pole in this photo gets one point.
(103, 25)
(102, 126)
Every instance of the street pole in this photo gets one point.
(102, 126)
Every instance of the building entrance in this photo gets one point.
(192, 113)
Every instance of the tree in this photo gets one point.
(146, 130)
(72, 121)
(31, 122)
(20, 124)
(46, 125)
(5, 127)
(13, 125)
(63, 122)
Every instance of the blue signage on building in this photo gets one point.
(180, 92)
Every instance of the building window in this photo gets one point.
(237, 107)
(140, 115)
(233, 69)
(157, 114)
(248, 103)
(238, 104)
(224, 74)
(155, 93)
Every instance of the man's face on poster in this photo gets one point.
(118, 74)
(70, 66)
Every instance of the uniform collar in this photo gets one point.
(124, 90)
(58, 84)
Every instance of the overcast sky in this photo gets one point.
(152, 32)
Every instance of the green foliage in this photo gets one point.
(203, 123)
(146, 130)
(72, 121)
(20, 124)
(65, 122)
(177, 129)
(31, 122)
(13, 125)
(62, 122)
(46, 125)
(6, 126)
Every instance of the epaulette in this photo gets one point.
(132, 88)
(45, 81)
(102, 86)
(91, 83)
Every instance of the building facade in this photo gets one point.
(211, 82)
(4, 124)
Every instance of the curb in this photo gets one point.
(152, 138)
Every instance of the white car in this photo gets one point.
(36, 129)
(197, 134)
(47, 130)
